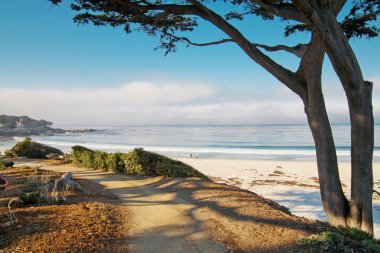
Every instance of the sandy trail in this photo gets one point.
(160, 220)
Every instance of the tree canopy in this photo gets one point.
(170, 20)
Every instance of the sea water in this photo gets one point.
(276, 142)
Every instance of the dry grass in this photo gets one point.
(83, 223)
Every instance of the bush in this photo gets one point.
(342, 241)
(136, 162)
(371, 246)
(114, 162)
(356, 234)
(31, 149)
(326, 238)
(29, 198)
(368, 240)
(6, 164)
(100, 159)
(145, 163)
(8, 153)
(82, 156)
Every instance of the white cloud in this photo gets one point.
(163, 103)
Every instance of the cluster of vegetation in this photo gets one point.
(136, 162)
(10, 122)
(6, 164)
(341, 241)
(31, 149)
(29, 197)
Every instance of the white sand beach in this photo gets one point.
(293, 184)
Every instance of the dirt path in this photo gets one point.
(192, 215)
(161, 220)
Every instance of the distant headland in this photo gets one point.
(26, 126)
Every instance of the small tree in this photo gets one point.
(172, 20)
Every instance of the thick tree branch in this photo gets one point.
(282, 74)
(298, 50)
(284, 11)
(187, 40)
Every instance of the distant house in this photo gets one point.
(20, 124)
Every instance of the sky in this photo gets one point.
(53, 69)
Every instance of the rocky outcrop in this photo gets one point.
(25, 126)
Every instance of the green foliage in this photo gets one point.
(114, 162)
(368, 240)
(136, 162)
(29, 198)
(8, 153)
(6, 164)
(371, 246)
(336, 242)
(332, 239)
(82, 156)
(145, 163)
(31, 149)
(356, 234)
(310, 241)
(100, 159)
(147, 16)
(10, 122)
(326, 238)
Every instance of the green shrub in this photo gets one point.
(371, 246)
(29, 198)
(8, 153)
(114, 162)
(332, 239)
(145, 163)
(310, 241)
(5, 164)
(136, 162)
(31, 149)
(336, 242)
(368, 240)
(329, 240)
(82, 156)
(356, 234)
(79, 148)
(100, 159)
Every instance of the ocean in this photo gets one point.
(269, 142)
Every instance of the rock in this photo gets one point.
(66, 182)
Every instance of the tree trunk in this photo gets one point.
(334, 202)
(362, 135)
(359, 96)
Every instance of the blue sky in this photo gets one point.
(84, 75)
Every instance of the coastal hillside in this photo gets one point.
(26, 126)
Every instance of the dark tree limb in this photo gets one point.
(298, 50)
(190, 42)
(281, 73)
(285, 11)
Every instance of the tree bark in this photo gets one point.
(359, 96)
(334, 202)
